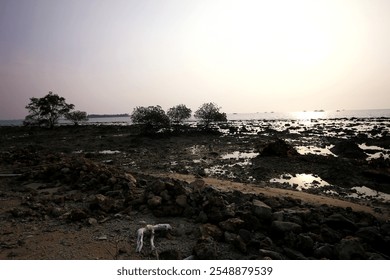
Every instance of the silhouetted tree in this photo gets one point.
(179, 113)
(47, 110)
(208, 113)
(76, 117)
(152, 118)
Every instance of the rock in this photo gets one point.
(165, 195)
(198, 185)
(205, 249)
(92, 221)
(170, 254)
(102, 202)
(229, 237)
(261, 210)
(348, 149)
(279, 148)
(270, 254)
(202, 217)
(210, 230)
(372, 236)
(158, 186)
(245, 235)
(350, 249)
(338, 221)
(240, 244)
(77, 215)
(330, 235)
(293, 254)
(325, 252)
(232, 224)
(304, 244)
(281, 228)
(181, 200)
(155, 201)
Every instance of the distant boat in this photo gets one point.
(319, 110)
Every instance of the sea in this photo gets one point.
(298, 116)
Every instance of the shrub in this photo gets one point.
(76, 117)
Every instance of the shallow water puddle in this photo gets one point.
(305, 150)
(380, 152)
(364, 192)
(301, 181)
(240, 155)
(109, 152)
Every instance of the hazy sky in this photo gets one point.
(246, 56)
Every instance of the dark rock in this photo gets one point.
(304, 244)
(351, 249)
(205, 249)
(102, 202)
(210, 230)
(202, 217)
(338, 221)
(198, 185)
(181, 200)
(232, 224)
(270, 254)
(281, 228)
(261, 210)
(155, 201)
(245, 235)
(170, 254)
(325, 252)
(240, 244)
(370, 235)
(293, 254)
(330, 235)
(279, 148)
(77, 215)
(348, 149)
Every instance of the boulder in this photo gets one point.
(281, 228)
(350, 249)
(338, 221)
(205, 249)
(279, 148)
(155, 201)
(232, 224)
(261, 210)
(348, 149)
(102, 202)
(181, 200)
(270, 254)
(210, 230)
(325, 252)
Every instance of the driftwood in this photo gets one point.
(149, 229)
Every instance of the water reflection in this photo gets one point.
(301, 181)
(364, 192)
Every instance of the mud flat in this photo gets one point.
(255, 190)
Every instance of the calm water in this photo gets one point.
(303, 115)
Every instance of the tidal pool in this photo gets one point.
(301, 181)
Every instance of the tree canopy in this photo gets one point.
(151, 117)
(47, 110)
(208, 113)
(179, 113)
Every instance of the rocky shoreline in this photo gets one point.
(83, 192)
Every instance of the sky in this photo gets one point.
(108, 57)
